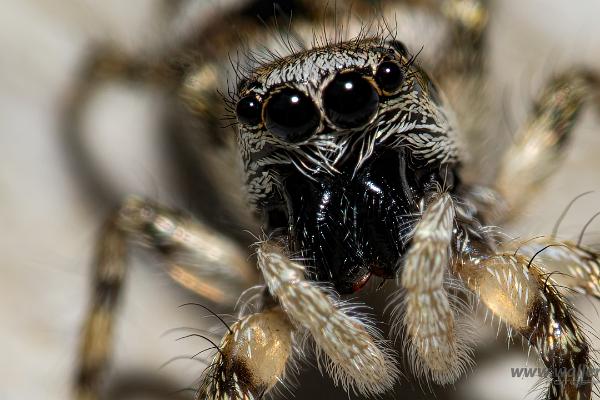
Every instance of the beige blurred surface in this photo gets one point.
(47, 231)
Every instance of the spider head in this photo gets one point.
(340, 144)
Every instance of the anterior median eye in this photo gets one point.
(291, 115)
(248, 110)
(350, 100)
(389, 76)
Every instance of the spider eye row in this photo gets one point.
(350, 100)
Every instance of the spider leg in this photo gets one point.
(356, 357)
(104, 64)
(428, 316)
(524, 296)
(538, 147)
(251, 358)
(573, 267)
(467, 21)
(195, 256)
(471, 16)
(191, 120)
(463, 61)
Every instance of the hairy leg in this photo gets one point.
(356, 357)
(522, 287)
(526, 298)
(539, 146)
(251, 359)
(572, 266)
(196, 257)
(424, 309)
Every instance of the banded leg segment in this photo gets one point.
(197, 258)
(356, 357)
(527, 299)
(537, 149)
(251, 359)
(428, 318)
(572, 266)
(96, 340)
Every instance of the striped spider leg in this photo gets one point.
(195, 256)
(526, 284)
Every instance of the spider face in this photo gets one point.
(333, 143)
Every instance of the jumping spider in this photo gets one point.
(354, 168)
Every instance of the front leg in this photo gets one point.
(519, 292)
(253, 356)
(355, 356)
(438, 349)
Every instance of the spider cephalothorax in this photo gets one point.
(340, 144)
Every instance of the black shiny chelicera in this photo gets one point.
(351, 226)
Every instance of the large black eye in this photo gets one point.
(291, 115)
(248, 110)
(389, 76)
(350, 100)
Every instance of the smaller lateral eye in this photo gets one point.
(248, 110)
(389, 76)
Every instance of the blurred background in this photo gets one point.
(48, 229)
